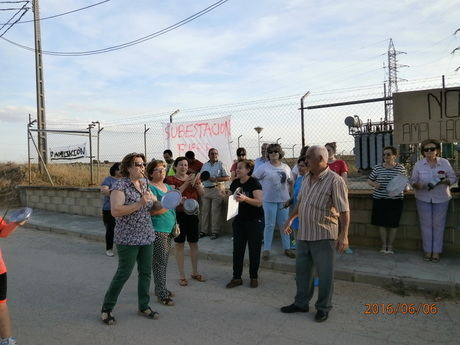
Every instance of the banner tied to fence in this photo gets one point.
(427, 114)
(199, 137)
(68, 152)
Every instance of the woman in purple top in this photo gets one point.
(431, 178)
(131, 202)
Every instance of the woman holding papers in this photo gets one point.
(247, 225)
(386, 208)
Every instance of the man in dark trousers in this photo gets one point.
(324, 217)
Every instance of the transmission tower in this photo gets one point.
(458, 48)
(40, 90)
(392, 78)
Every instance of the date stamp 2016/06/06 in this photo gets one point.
(401, 308)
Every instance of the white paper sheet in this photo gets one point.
(232, 209)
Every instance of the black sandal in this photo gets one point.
(149, 313)
(166, 301)
(107, 317)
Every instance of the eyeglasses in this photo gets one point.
(140, 165)
(427, 149)
(273, 151)
(242, 155)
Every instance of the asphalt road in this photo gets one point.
(56, 285)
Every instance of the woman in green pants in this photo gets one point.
(131, 202)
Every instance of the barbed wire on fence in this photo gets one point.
(278, 116)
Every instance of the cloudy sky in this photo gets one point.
(242, 50)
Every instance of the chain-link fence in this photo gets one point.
(279, 118)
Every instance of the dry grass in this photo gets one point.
(74, 175)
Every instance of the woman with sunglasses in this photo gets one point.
(191, 188)
(386, 209)
(276, 179)
(431, 178)
(131, 202)
(163, 221)
(241, 156)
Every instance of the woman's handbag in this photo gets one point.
(176, 231)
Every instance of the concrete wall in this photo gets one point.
(74, 200)
(87, 202)
(408, 235)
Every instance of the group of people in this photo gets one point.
(431, 178)
(311, 201)
(142, 228)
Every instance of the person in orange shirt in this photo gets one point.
(5, 323)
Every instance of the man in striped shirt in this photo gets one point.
(322, 206)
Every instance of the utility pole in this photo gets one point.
(40, 91)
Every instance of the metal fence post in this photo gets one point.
(145, 140)
(90, 126)
(302, 119)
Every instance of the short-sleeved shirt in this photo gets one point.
(423, 173)
(233, 167)
(259, 161)
(216, 169)
(320, 204)
(163, 222)
(195, 167)
(383, 176)
(108, 181)
(190, 192)
(246, 211)
(338, 166)
(170, 170)
(134, 229)
(275, 181)
(5, 230)
(295, 199)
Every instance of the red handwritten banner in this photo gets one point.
(199, 137)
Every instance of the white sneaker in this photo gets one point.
(109, 252)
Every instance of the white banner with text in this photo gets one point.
(68, 152)
(199, 137)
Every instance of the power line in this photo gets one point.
(14, 15)
(22, 15)
(65, 13)
(9, 9)
(131, 43)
